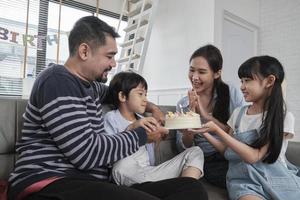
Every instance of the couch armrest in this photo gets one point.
(293, 152)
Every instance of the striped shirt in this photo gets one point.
(63, 132)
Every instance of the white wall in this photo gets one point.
(280, 37)
(179, 28)
(111, 5)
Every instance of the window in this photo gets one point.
(42, 39)
(12, 43)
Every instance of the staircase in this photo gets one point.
(140, 14)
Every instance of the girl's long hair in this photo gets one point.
(215, 61)
(271, 130)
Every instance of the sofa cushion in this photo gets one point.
(7, 126)
(214, 192)
(7, 162)
(11, 122)
(292, 153)
(20, 110)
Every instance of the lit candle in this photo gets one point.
(181, 109)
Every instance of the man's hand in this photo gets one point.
(157, 135)
(188, 133)
(187, 137)
(148, 123)
(159, 116)
(156, 113)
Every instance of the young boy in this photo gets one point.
(129, 91)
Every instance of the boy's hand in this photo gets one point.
(157, 135)
(148, 123)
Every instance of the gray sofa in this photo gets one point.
(12, 109)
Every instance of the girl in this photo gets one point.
(217, 101)
(257, 141)
(129, 96)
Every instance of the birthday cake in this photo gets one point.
(182, 120)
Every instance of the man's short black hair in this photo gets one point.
(90, 30)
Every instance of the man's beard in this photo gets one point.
(103, 79)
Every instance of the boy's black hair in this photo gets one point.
(214, 59)
(90, 30)
(271, 130)
(124, 82)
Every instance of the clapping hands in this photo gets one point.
(195, 104)
(193, 101)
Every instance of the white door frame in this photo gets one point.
(243, 23)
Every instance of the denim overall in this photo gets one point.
(267, 181)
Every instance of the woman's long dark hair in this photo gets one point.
(271, 130)
(215, 61)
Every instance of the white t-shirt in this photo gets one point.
(250, 122)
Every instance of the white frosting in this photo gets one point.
(182, 120)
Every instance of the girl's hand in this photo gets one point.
(148, 123)
(208, 127)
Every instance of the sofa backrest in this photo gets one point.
(11, 123)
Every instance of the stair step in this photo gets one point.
(134, 26)
(126, 59)
(140, 15)
(130, 42)
(138, 10)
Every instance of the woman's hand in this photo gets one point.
(148, 123)
(193, 104)
(196, 105)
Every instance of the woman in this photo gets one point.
(214, 100)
